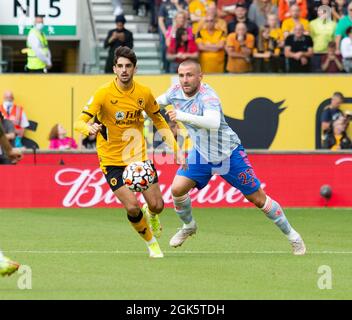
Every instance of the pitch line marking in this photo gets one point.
(167, 252)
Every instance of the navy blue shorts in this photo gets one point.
(236, 170)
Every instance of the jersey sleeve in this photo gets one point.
(211, 102)
(92, 107)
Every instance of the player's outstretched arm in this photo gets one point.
(209, 120)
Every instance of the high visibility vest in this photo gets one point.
(33, 62)
(15, 115)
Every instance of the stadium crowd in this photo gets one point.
(239, 36)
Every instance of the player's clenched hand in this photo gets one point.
(15, 155)
(172, 114)
(94, 128)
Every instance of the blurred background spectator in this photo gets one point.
(285, 11)
(299, 50)
(167, 12)
(59, 140)
(9, 130)
(346, 50)
(295, 18)
(89, 142)
(181, 49)
(117, 37)
(331, 62)
(267, 52)
(342, 25)
(322, 31)
(211, 44)
(337, 138)
(16, 115)
(239, 47)
(38, 53)
(220, 23)
(331, 113)
(241, 16)
(180, 21)
(198, 9)
(339, 9)
(259, 10)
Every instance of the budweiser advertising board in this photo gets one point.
(75, 180)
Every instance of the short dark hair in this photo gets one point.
(127, 53)
(120, 18)
(349, 30)
(332, 44)
(339, 94)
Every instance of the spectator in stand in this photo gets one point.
(298, 50)
(220, 23)
(197, 10)
(346, 50)
(275, 30)
(9, 132)
(313, 7)
(226, 9)
(331, 62)
(167, 12)
(16, 114)
(241, 16)
(117, 37)
(285, 8)
(239, 47)
(289, 23)
(59, 140)
(180, 21)
(322, 31)
(211, 44)
(38, 52)
(181, 48)
(259, 10)
(331, 113)
(339, 9)
(342, 25)
(267, 52)
(337, 138)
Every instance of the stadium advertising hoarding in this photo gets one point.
(268, 112)
(294, 179)
(60, 16)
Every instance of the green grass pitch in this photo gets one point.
(236, 254)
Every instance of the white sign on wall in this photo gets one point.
(17, 16)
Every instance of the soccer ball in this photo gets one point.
(138, 176)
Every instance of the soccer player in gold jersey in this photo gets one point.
(116, 108)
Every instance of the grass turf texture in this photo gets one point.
(95, 254)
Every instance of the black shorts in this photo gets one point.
(113, 175)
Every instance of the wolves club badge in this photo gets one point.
(113, 182)
(140, 102)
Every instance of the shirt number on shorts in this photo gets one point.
(247, 176)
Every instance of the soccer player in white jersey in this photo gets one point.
(217, 150)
